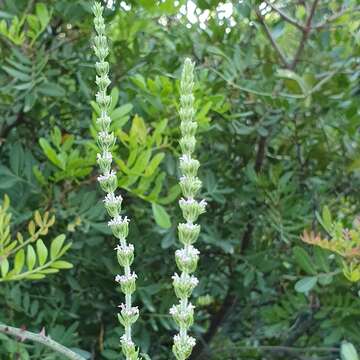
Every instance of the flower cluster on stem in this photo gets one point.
(108, 182)
(188, 232)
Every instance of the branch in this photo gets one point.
(40, 338)
(335, 16)
(285, 16)
(272, 40)
(19, 119)
(305, 35)
(286, 349)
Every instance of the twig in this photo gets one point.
(285, 16)
(335, 16)
(287, 349)
(40, 338)
(305, 35)
(272, 40)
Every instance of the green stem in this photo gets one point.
(23, 335)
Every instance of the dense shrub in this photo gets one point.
(277, 93)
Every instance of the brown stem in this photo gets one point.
(305, 35)
(19, 119)
(285, 16)
(272, 40)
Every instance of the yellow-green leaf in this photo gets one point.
(42, 252)
(60, 264)
(56, 246)
(19, 261)
(4, 267)
(30, 257)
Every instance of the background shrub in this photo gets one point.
(278, 139)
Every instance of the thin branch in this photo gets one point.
(305, 35)
(272, 40)
(286, 349)
(285, 16)
(335, 16)
(40, 338)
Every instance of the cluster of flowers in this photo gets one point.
(187, 257)
(108, 182)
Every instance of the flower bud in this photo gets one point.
(187, 100)
(128, 316)
(113, 204)
(104, 122)
(188, 128)
(127, 283)
(102, 99)
(191, 209)
(128, 348)
(125, 254)
(188, 233)
(186, 115)
(108, 182)
(187, 144)
(190, 186)
(187, 259)
(184, 285)
(189, 166)
(101, 53)
(106, 140)
(102, 82)
(100, 41)
(119, 226)
(102, 68)
(183, 346)
(104, 160)
(183, 316)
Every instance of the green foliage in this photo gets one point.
(29, 258)
(276, 144)
(343, 241)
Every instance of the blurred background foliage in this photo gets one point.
(278, 107)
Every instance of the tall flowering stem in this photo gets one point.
(108, 182)
(188, 232)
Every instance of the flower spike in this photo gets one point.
(108, 182)
(188, 232)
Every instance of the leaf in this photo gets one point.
(35, 276)
(30, 257)
(7, 178)
(42, 252)
(61, 265)
(304, 260)
(168, 240)
(50, 153)
(114, 98)
(306, 284)
(4, 265)
(288, 74)
(348, 351)
(42, 14)
(326, 218)
(121, 111)
(17, 74)
(56, 245)
(19, 261)
(161, 216)
(138, 130)
(51, 89)
(154, 163)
